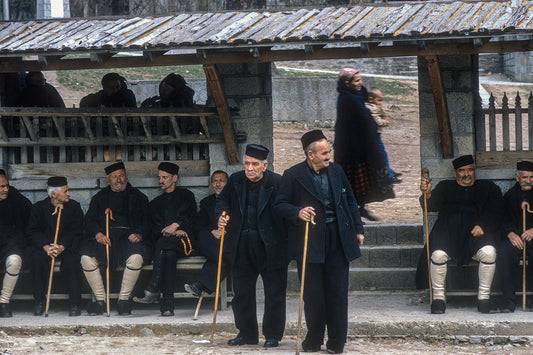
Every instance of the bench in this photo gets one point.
(191, 263)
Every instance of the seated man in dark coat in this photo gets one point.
(129, 244)
(38, 93)
(41, 232)
(172, 214)
(14, 212)
(316, 187)
(208, 239)
(173, 92)
(257, 245)
(467, 227)
(514, 236)
(114, 93)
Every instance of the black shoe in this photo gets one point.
(167, 307)
(334, 347)
(396, 180)
(508, 306)
(194, 289)
(96, 308)
(364, 213)
(240, 340)
(483, 306)
(5, 310)
(38, 308)
(124, 307)
(438, 307)
(149, 297)
(75, 311)
(271, 343)
(397, 174)
(310, 348)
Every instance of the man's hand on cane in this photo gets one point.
(102, 239)
(515, 240)
(425, 186)
(223, 221)
(306, 213)
(477, 231)
(527, 235)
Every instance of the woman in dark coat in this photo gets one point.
(356, 144)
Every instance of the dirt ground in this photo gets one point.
(402, 143)
(193, 344)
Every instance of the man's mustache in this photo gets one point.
(466, 177)
(526, 184)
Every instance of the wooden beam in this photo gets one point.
(223, 113)
(242, 55)
(439, 98)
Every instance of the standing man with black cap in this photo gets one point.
(467, 227)
(40, 233)
(14, 212)
(129, 244)
(317, 187)
(172, 214)
(513, 234)
(257, 245)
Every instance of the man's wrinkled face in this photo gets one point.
(254, 168)
(63, 196)
(4, 187)
(117, 180)
(465, 175)
(320, 158)
(525, 179)
(167, 181)
(218, 181)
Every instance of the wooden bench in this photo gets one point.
(192, 263)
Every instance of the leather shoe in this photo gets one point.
(310, 348)
(38, 308)
(194, 289)
(5, 311)
(334, 347)
(124, 307)
(271, 343)
(240, 340)
(483, 306)
(96, 308)
(75, 311)
(438, 307)
(149, 297)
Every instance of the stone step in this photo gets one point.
(388, 256)
(393, 234)
(369, 279)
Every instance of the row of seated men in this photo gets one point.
(173, 92)
(476, 222)
(166, 228)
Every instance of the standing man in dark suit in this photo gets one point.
(317, 187)
(256, 242)
(41, 232)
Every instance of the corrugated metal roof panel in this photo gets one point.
(393, 21)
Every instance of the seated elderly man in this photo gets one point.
(467, 227)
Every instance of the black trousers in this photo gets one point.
(249, 263)
(326, 294)
(507, 267)
(70, 271)
(210, 248)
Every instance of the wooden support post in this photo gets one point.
(223, 113)
(440, 106)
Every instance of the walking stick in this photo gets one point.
(57, 211)
(198, 306)
(425, 175)
(218, 279)
(304, 260)
(108, 215)
(525, 208)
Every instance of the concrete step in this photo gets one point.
(393, 234)
(388, 256)
(369, 279)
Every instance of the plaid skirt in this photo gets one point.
(368, 185)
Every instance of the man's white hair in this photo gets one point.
(50, 189)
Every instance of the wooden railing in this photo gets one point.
(505, 134)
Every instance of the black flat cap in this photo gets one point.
(312, 136)
(168, 167)
(57, 181)
(114, 167)
(257, 151)
(462, 161)
(524, 166)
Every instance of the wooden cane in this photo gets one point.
(218, 279)
(108, 215)
(525, 209)
(198, 306)
(57, 211)
(302, 283)
(425, 175)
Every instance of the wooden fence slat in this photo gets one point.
(505, 123)
(518, 122)
(530, 121)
